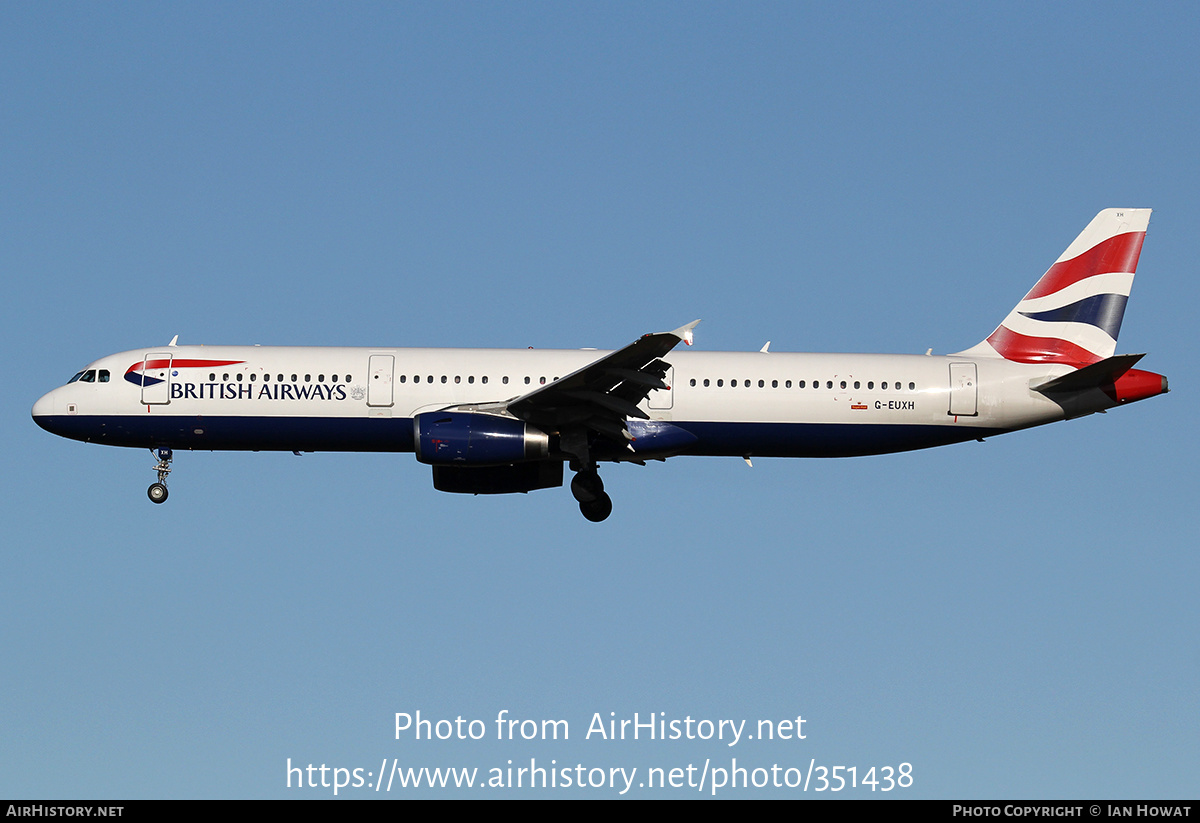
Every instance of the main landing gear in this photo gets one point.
(588, 489)
(158, 491)
(586, 485)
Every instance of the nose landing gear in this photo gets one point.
(158, 491)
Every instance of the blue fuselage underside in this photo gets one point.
(396, 435)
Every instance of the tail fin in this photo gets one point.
(1073, 314)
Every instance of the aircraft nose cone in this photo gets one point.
(43, 409)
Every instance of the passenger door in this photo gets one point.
(156, 379)
(964, 390)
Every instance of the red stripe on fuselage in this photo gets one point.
(183, 364)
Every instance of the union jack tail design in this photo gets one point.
(1073, 314)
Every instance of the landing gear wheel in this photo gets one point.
(598, 509)
(157, 493)
(587, 487)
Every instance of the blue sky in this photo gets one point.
(1014, 619)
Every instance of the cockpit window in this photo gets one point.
(89, 376)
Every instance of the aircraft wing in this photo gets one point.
(602, 394)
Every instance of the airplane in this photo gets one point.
(497, 421)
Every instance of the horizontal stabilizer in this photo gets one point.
(1104, 372)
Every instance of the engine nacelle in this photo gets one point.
(472, 439)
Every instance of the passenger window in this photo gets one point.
(706, 382)
(720, 383)
(403, 378)
(483, 379)
(912, 386)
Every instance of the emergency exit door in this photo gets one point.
(379, 380)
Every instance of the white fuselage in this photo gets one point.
(358, 399)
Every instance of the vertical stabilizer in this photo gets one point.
(1074, 313)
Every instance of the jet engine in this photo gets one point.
(474, 439)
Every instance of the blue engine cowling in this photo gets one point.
(467, 438)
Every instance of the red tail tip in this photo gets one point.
(1136, 384)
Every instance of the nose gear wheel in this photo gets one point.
(158, 491)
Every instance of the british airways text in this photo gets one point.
(265, 391)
